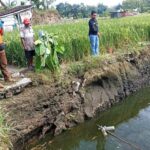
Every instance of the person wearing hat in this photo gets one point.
(27, 38)
(3, 59)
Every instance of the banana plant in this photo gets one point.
(47, 51)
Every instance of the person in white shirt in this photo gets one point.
(27, 38)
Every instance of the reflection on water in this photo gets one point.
(136, 130)
(131, 119)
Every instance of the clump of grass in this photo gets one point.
(4, 133)
(78, 69)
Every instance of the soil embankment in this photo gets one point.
(45, 17)
(62, 105)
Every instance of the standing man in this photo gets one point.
(94, 34)
(27, 39)
(3, 59)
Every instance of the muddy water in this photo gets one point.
(131, 119)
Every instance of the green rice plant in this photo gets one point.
(14, 49)
(116, 33)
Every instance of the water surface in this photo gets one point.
(131, 119)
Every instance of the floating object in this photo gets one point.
(106, 130)
(110, 128)
(94, 137)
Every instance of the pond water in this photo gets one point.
(131, 119)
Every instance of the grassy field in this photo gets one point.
(120, 34)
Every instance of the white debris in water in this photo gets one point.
(110, 128)
(104, 131)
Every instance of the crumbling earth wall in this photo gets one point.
(55, 108)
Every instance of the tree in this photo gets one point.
(83, 10)
(75, 10)
(44, 3)
(64, 9)
(118, 7)
(60, 8)
(145, 6)
(79, 10)
(101, 8)
(142, 5)
(3, 4)
(9, 3)
(67, 10)
(131, 4)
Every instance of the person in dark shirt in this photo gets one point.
(94, 34)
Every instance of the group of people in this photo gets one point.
(27, 39)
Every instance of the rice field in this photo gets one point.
(119, 34)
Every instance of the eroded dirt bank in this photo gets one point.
(56, 107)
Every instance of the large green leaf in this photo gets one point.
(60, 49)
(42, 49)
(43, 60)
(51, 40)
(47, 50)
(38, 63)
(38, 42)
(37, 50)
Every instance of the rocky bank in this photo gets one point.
(56, 107)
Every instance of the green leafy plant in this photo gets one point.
(48, 51)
